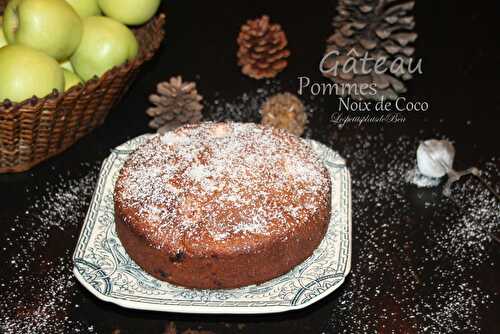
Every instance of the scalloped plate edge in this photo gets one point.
(209, 309)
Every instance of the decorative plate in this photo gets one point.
(104, 268)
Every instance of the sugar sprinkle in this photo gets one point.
(454, 241)
(57, 213)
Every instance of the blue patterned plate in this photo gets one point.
(104, 268)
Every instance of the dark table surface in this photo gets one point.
(421, 262)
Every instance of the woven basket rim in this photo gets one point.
(144, 55)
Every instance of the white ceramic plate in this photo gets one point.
(104, 268)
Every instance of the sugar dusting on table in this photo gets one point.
(40, 296)
(454, 240)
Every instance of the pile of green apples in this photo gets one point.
(56, 44)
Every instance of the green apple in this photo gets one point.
(131, 12)
(106, 43)
(70, 79)
(51, 26)
(26, 72)
(85, 8)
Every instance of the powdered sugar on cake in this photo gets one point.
(222, 180)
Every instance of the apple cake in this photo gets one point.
(222, 205)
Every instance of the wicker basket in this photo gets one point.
(37, 129)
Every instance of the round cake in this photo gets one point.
(222, 205)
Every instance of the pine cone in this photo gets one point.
(383, 29)
(284, 111)
(176, 103)
(262, 52)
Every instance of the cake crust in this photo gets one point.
(222, 205)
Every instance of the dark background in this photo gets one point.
(458, 42)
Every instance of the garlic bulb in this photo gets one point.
(435, 160)
(435, 157)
